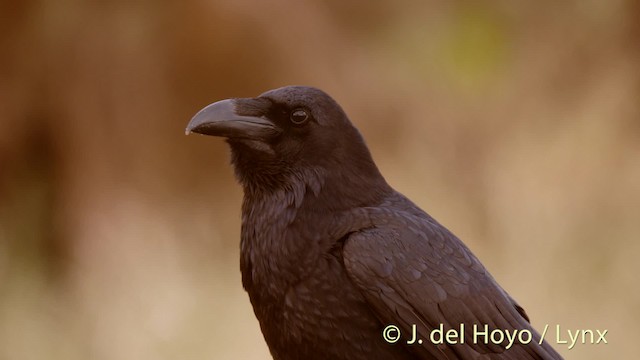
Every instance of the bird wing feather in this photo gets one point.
(412, 271)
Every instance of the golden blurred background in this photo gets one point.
(516, 124)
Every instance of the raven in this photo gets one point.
(339, 265)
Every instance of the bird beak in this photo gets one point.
(221, 119)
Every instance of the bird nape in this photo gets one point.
(339, 265)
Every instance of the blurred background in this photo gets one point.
(516, 124)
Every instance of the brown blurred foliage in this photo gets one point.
(517, 124)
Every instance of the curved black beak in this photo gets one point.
(222, 119)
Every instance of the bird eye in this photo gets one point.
(299, 116)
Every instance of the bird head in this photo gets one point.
(285, 132)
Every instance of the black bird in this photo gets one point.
(331, 255)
